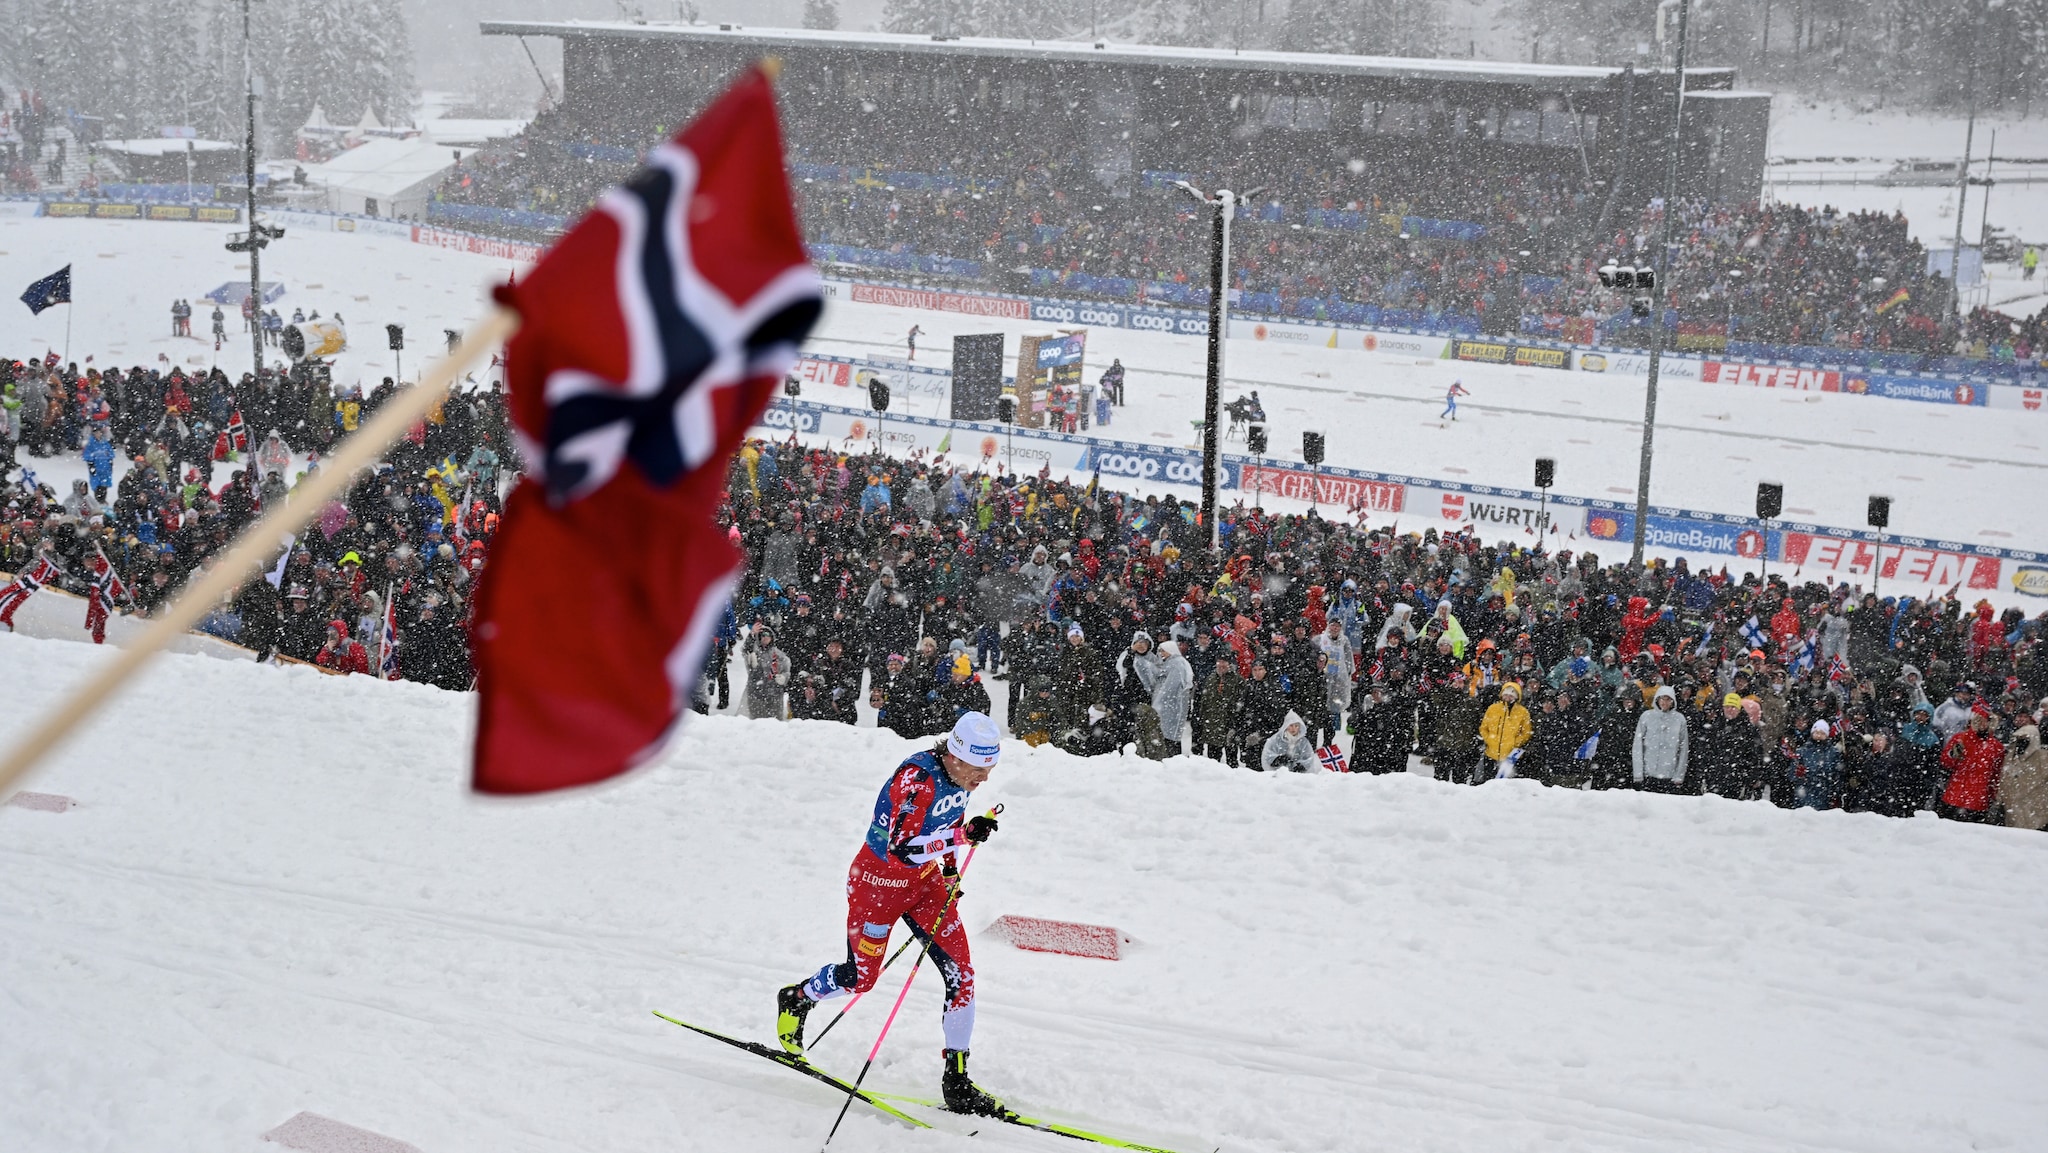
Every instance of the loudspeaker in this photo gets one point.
(1006, 409)
(1312, 447)
(1546, 472)
(1255, 440)
(1880, 512)
(1770, 500)
(395, 334)
(977, 375)
(791, 386)
(878, 394)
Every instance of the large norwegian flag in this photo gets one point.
(652, 335)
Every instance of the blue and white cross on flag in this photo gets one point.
(1753, 633)
(52, 289)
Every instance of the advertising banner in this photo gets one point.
(1008, 307)
(1676, 532)
(2020, 399)
(480, 245)
(1510, 352)
(1488, 513)
(1323, 488)
(2030, 580)
(1141, 462)
(1924, 389)
(1913, 565)
(1806, 379)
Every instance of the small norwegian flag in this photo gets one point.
(653, 334)
(1333, 758)
(106, 590)
(387, 639)
(1837, 668)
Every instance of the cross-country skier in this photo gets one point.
(906, 870)
(911, 340)
(1451, 396)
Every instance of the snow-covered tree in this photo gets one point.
(822, 14)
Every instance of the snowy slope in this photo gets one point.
(1967, 474)
(296, 907)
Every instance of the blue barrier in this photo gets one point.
(484, 215)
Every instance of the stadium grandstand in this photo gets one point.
(1448, 195)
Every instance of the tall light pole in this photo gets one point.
(1955, 254)
(1659, 261)
(1224, 204)
(253, 241)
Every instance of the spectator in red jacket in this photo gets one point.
(1974, 759)
(1785, 626)
(1634, 624)
(342, 653)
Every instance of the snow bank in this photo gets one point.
(275, 897)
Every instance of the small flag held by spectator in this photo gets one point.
(1333, 758)
(1589, 749)
(52, 289)
(1893, 301)
(1753, 633)
(652, 335)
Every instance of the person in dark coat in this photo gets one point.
(1379, 726)
(1726, 749)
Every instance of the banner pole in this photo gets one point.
(245, 558)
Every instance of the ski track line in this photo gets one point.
(430, 1009)
(1624, 422)
(1413, 1089)
(438, 1012)
(1426, 1089)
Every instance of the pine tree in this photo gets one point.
(822, 14)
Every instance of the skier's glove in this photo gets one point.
(979, 828)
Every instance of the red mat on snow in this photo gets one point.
(316, 1134)
(42, 802)
(1069, 937)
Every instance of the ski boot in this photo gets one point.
(791, 1007)
(963, 1095)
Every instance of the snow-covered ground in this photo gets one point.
(1955, 473)
(290, 904)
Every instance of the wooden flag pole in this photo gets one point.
(245, 558)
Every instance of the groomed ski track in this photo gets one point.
(275, 895)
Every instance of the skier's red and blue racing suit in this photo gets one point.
(897, 874)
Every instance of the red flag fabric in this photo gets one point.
(652, 335)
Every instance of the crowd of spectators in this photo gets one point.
(1322, 239)
(1094, 620)
(1102, 624)
(177, 465)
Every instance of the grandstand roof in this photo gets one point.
(1388, 67)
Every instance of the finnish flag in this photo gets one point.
(1753, 633)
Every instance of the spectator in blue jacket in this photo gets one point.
(1816, 770)
(99, 461)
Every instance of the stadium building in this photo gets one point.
(1133, 116)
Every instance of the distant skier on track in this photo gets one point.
(911, 340)
(1451, 396)
(906, 869)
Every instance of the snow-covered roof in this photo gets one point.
(160, 146)
(471, 133)
(384, 167)
(1389, 67)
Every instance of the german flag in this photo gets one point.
(1893, 301)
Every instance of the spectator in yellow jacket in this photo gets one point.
(1505, 727)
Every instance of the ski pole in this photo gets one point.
(900, 995)
(901, 949)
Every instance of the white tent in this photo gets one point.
(383, 177)
(369, 122)
(318, 122)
